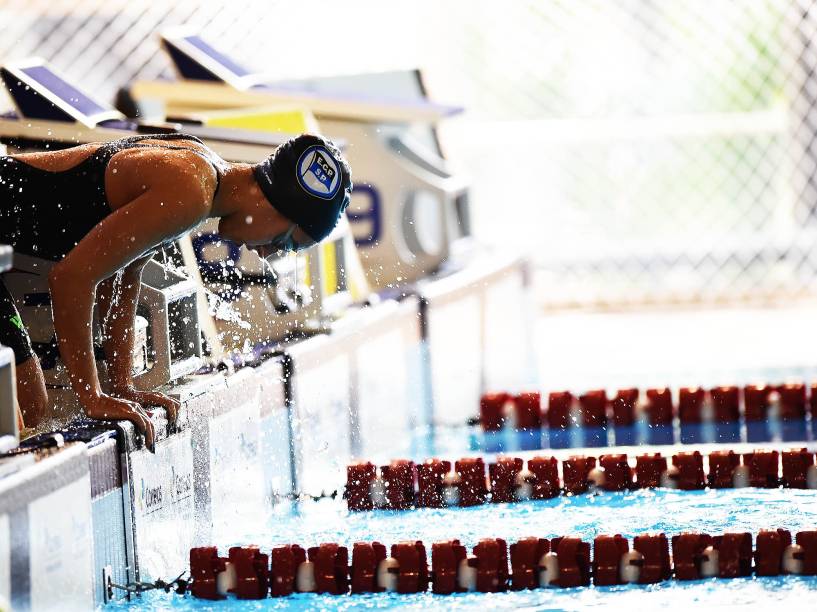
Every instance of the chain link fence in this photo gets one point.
(642, 151)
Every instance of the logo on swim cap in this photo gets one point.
(318, 172)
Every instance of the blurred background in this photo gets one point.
(644, 153)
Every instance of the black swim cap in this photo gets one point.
(308, 181)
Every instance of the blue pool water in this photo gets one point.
(586, 516)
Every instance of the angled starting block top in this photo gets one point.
(214, 80)
(40, 92)
(52, 111)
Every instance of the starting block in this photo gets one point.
(52, 113)
(408, 208)
(46, 533)
(167, 345)
(409, 214)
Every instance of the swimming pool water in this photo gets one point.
(629, 513)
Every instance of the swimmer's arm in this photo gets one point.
(117, 299)
(158, 214)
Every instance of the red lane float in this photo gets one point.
(359, 479)
(797, 463)
(593, 408)
(792, 401)
(534, 562)
(398, 478)
(492, 410)
(756, 402)
(331, 571)
(659, 408)
(607, 554)
(722, 466)
(654, 549)
(649, 470)
(284, 562)
(558, 412)
(690, 470)
(690, 404)
(769, 549)
(574, 561)
(576, 472)
(528, 410)
(412, 574)
(471, 486)
(526, 556)
(205, 566)
(807, 541)
(366, 557)
(446, 558)
(688, 554)
(763, 468)
(725, 404)
(251, 572)
(524, 411)
(491, 557)
(734, 554)
(623, 407)
(545, 477)
(503, 477)
(432, 484)
(430, 478)
(617, 474)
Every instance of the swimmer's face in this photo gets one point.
(262, 228)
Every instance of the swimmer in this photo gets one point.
(101, 211)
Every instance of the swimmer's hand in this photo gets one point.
(149, 399)
(107, 408)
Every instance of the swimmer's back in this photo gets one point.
(50, 201)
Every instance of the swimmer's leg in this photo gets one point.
(32, 398)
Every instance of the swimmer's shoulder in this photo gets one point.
(181, 175)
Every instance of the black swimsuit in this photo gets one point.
(45, 214)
